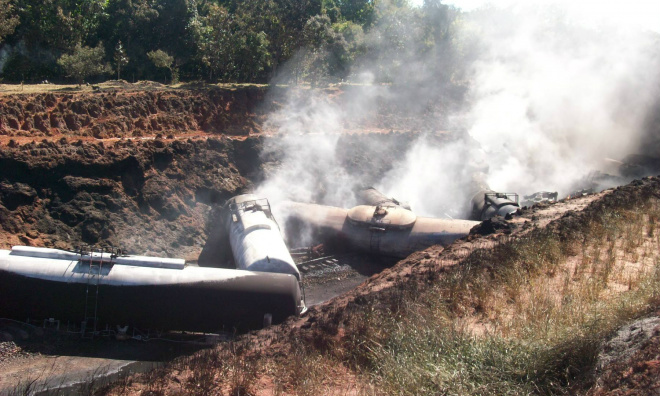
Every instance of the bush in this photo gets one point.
(84, 62)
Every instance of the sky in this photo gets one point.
(635, 13)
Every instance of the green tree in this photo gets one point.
(120, 58)
(282, 21)
(231, 48)
(326, 52)
(84, 62)
(161, 60)
(58, 25)
(172, 30)
(132, 22)
(8, 20)
(359, 11)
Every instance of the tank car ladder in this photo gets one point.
(93, 270)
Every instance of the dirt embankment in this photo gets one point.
(325, 326)
(119, 113)
(148, 196)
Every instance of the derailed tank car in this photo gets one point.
(387, 230)
(145, 292)
(255, 237)
(371, 196)
(486, 203)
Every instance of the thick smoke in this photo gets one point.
(530, 95)
(309, 126)
(551, 98)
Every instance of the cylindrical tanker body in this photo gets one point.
(371, 196)
(487, 203)
(255, 238)
(146, 292)
(392, 231)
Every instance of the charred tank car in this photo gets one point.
(97, 289)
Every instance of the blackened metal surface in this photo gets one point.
(201, 306)
(487, 203)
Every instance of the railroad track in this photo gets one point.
(324, 264)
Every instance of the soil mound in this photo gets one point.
(491, 226)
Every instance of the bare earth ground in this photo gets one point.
(120, 111)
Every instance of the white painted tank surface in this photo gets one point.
(147, 292)
(255, 237)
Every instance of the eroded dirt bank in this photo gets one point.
(120, 109)
(145, 196)
(150, 196)
(120, 113)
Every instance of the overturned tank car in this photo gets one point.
(390, 230)
(486, 203)
(95, 288)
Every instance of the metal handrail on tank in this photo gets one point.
(93, 253)
(260, 204)
(253, 204)
(491, 196)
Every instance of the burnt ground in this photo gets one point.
(146, 171)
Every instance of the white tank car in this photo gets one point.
(255, 238)
(146, 292)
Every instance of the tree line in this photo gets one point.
(213, 40)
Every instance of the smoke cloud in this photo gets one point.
(551, 99)
(530, 95)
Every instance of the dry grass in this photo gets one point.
(526, 317)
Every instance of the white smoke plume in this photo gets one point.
(309, 126)
(552, 98)
(549, 97)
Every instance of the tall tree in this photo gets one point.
(326, 51)
(120, 58)
(132, 22)
(359, 11)
(231, 48)
(8, 19)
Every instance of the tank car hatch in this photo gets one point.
(388, 217)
